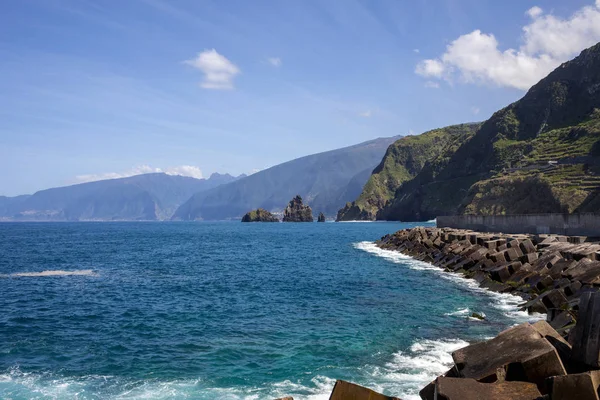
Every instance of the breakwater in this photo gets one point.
(557, 275)
(562, 224)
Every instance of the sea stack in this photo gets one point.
(321, 217)
(296, 211)
(259, 215)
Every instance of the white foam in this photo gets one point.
(507, 303)
(78, 272)
(462, 311)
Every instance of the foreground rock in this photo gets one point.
(470, 389)
(349, 391)
(259, 215)
(296, 211)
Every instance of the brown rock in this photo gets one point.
(575, 386)
(349, 391)
(470, 389)
(519, 353)
(586, 335)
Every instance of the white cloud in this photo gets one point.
(410, 132)
(366, 114)
(276, 61)
(218, 70)
(475, 110)
(535, 11)
(548, 41)
(182, 170)
(433, 68)
(185, 170)
(418, 51)
(432, 84)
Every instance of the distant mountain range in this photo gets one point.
(326, 181)
(143, 197)
(540, 154)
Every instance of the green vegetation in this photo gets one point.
(540, 154)
(403, 160)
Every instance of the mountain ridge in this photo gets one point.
(324, 180)
(539, 154)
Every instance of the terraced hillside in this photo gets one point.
(539, 154)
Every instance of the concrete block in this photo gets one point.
(586, 334)
(519, 353)
(470, 389)
(575, 386)
(349, 391)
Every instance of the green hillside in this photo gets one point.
(540, 154)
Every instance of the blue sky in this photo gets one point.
(94, 89)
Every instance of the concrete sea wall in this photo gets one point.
(562, 224)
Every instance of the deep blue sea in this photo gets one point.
(226, 311)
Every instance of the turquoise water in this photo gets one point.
(225, 311)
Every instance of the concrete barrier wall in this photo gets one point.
(562, 224)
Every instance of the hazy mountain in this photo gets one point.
(326, 181)
(142, 197)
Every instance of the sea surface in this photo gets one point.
(226, 310)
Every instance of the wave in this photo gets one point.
(18, 384)
(78, 272)
(505, 302)
(404, 374)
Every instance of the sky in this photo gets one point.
(104, 89)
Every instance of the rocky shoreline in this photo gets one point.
(556, 359)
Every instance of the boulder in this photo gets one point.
(575, 386)
(470, 389)
(296, 211)
(349, 391)
(259, 215)
(516, 354)
(321, 217)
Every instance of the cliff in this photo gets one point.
(540, 154)
(403, 160)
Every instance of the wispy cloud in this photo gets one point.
(432, 85)
(366, 114)
(182, 170)
(218, 71)
(475, 110)
(275, 61)
(547, 42)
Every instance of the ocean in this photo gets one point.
(225, 310)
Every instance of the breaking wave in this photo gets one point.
(79, 272)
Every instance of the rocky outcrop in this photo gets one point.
(321, 217)
(296, 211)
(259, 215)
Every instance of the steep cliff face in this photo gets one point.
(539, 154)
(403, 160)
(296, 211)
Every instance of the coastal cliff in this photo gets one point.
(540, 154)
